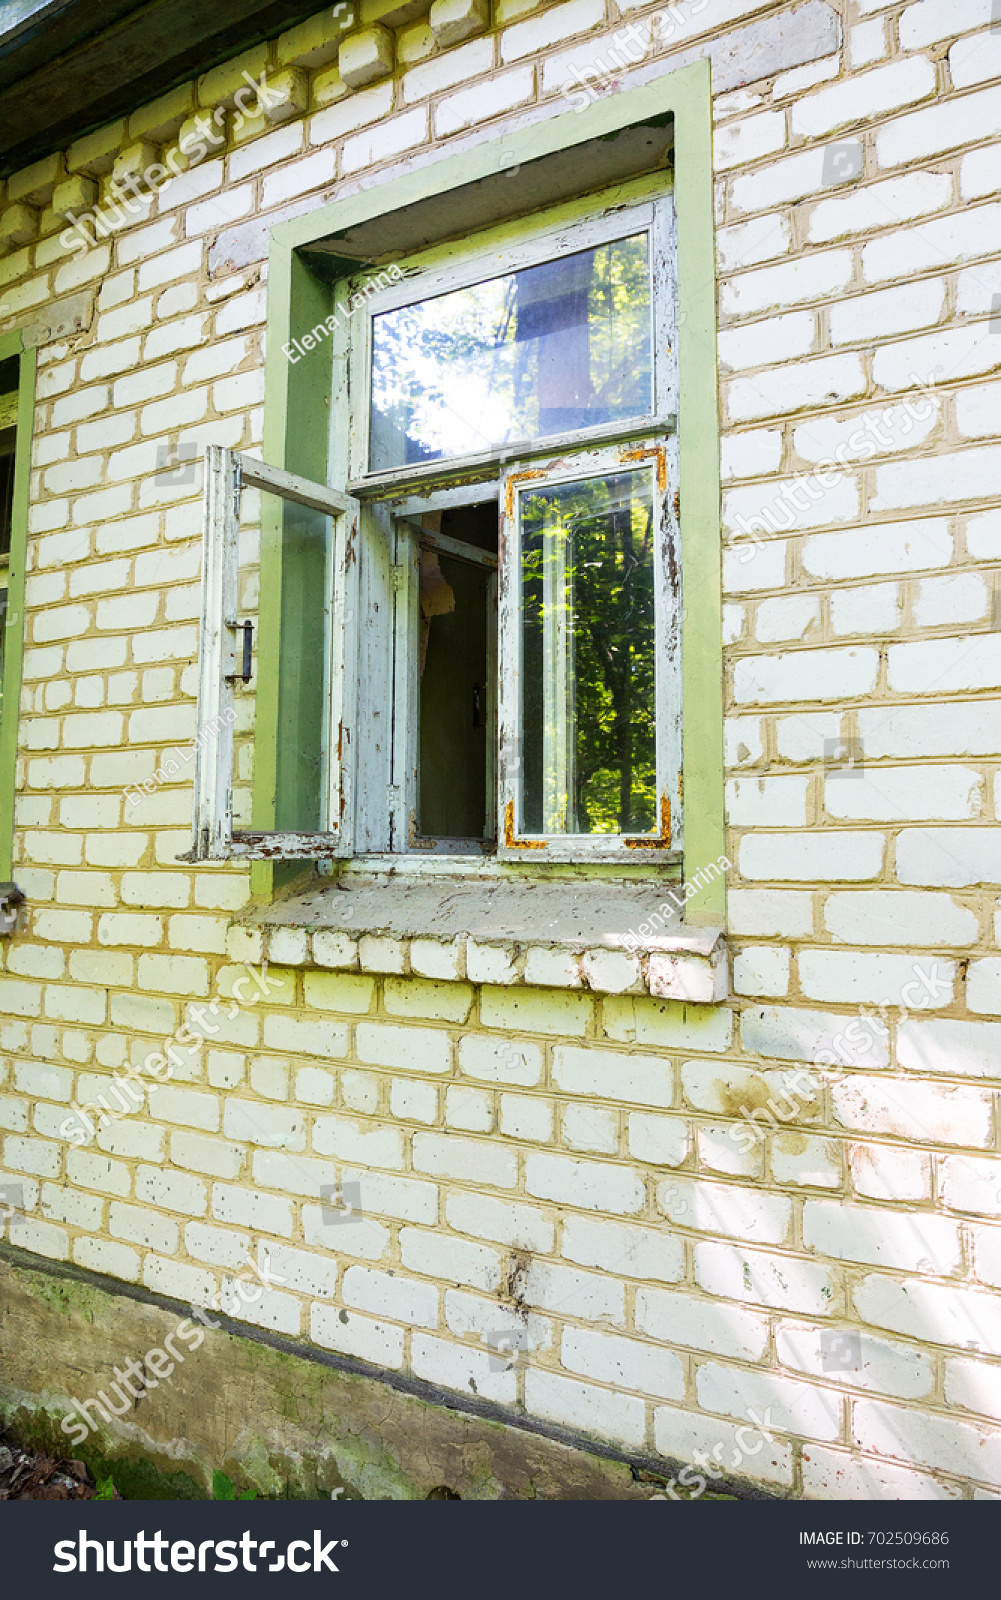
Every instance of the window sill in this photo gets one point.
(563, 933)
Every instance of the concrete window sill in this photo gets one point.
(563, 933)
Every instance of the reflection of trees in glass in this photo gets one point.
(607, 526)
(557, 346)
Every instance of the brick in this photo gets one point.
(829, 856)
(616, 1076)
(377, 1146)
(970, 120)
(864, 96)
(173, 1191)
(520, 1226)
(791, 1406)
(593, 1185)
(348, 1333)
(582, 1406)
(500, 1060)
(412, 1049)
(398, 1298)
(852, 976)
(250, 1209)
(278, 1127)
(830, 1474)
(909, 1242)
(503, 93)
(954, 858)
(524, 1118)
(458, 1367)
(474, 1160)
(782, 1282)
(923, 1439)
(629, 1251)
(142, 1227)
(971, 1184)
(629, 1363)
(928, 1113)
(679, 1434)
(450, 1260)
(350, 1234)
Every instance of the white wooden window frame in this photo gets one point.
(656, 218)
(519, 480)
(392, 501)
(227, 474)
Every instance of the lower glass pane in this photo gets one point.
(588, 754)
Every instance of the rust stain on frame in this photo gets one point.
(509, 839)
(664, 841)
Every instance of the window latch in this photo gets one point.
(247, 629)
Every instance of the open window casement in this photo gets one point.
(313, 660)
(589, 638)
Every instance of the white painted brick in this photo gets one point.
(923, 1439)
(751, 454)
(952, 857)
(932, 20)
(734, 1212)
(575, 18)
(971, 1184)
(767, 802)
(761, 969)
(349, 1233)
(352, 1335)
(413, 1049)
(582, 1406)
(884, 1367)
(456, 1366)
(978, 174)
(448, 1156)
(887, 311)
(967, 120)
(787, 617)
(850, 976)
(926, 1112)
(100, 1255)
(885, 1172)
(932, 730)
(303, 1271)
(485, 100)
(616, 1076)
(520, 1226)
(828, 856)
(249, 1209)
(806, 675)
(680, 1435)
(399, 1298)
(500, 1060)
(250, 1122)
(747, 243)
(862, 97)
(60, 1204)
(961, 475)
(413, 1101)
(372, 1145)
(592, 1185)
(385, 140)
(738, 143)
(791, 1406)
(886, 916)
(911, 1242)
(874, 609)
(468, 1109)
(770, 913)
(196, 1285)
(450, 1260)
(142, 1227)
(590, 1128)
(525, 1118)
(927, 246)
(623, 1249)
(218, 1246)
(975, 1386)
(629, 1363)
(189, 1107)
(785, 1283)
(954, 1046)
(813, 277)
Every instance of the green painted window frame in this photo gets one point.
(298, 298)
(11, 344)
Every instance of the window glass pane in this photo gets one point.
(588, 749)
(555, 347)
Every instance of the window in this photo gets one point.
(493, 611)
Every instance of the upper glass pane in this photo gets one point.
(547, 350)
(588, 652)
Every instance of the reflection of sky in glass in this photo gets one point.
(552, 348)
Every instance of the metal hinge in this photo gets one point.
(10, 898)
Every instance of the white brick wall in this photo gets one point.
(640, 1195)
